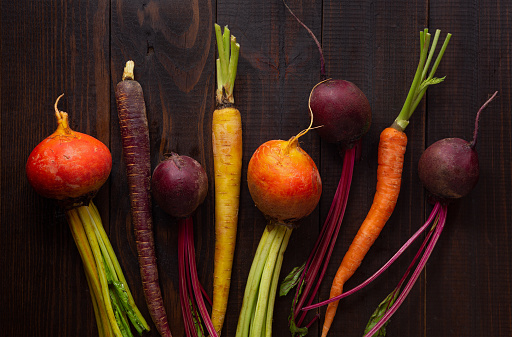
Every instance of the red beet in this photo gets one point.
(342, 110)
(179, 185)
(339, 106)
(449, 168)
(341, 115)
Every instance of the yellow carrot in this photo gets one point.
(227, 161)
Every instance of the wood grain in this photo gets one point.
(79, 48)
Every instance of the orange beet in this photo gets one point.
(283, 180)
(68, 165)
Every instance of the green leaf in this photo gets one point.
(291, 280)
(296, 331)
(379, 312)
(125, 307)
(120, 317)
(196, 318)
(432, 81)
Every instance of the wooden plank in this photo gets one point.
(471, 248)
(277, 69)
(79, 49)
(47, 48)
(365, 44)
(172, 45)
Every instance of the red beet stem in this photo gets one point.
(185, 302)
(437, 232)
(406, 245)
(322, 251)
(191, 292)
(475, 133)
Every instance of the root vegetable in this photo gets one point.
(341, 116)
(179, 185)
(133, 123)
(341, 112)
(70, 167)
(227, 166)
(391, 153)
(285, 185)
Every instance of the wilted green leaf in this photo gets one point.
(291, 280)
(296, 331)
(381, 311)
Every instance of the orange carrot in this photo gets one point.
(391, 153)
(389, 173)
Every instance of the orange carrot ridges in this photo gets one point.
(391, 153)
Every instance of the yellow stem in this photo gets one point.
(117, 267)
(86, 221)
(99, 322)
(91, 272)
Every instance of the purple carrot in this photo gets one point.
(133, 123)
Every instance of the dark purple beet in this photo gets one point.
(179, 185)
(449, 168)
(342, 110)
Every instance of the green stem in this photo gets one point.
(420, 83)
(121, 284)
(225, 46)
(439, 56)
(432, 72)
(275, 282)
(84, 248)
(233, 63)
(120, 313)
(220, 47)
(265, 284)
(261, 288)
(252, 286)
(226, 64)
(431, 53)
(100, 266)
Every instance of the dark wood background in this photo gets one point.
(79, 48)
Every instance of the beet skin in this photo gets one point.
(342, 110)
(449, 168)
(179, 185)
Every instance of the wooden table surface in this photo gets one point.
(79, 48)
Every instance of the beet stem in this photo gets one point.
(437, 232)
(324, 246)
(385, 266)
(185, 301)
(191, 291)
(475, 133)
(322, 61)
